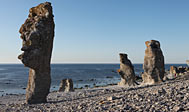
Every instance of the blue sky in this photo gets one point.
(96, 31)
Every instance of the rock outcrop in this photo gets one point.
(182, 69)
(37, 34)
(66, 85)
(153, 63)
(173, 70)
(126, 71)
(178, 70)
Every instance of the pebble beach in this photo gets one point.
(72, 56)
(168, 96)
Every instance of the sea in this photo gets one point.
(14, 77)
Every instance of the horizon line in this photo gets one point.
(90, 63)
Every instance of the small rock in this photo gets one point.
(87, 86)
(92, 79)
(110, 77)
(111, 98)
(178, 108)
(161, 92)
(79, 107)
(180, 96)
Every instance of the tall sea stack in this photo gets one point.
(153, 63)
(126, 71)
(37, 34)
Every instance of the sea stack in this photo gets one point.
(173, 70)
(153, 63)
(126, 71)
(37, 34)
(66, 85)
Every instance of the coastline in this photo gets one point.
(13, 79)
(171, 95)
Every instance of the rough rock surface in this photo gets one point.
(153, 63)
(66, 85)
(126, 71)
(37, 34)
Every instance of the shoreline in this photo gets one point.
(14, 79)
(171, 95)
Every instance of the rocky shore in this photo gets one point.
(171, 95)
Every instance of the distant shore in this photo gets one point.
(171, 95)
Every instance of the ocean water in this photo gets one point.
(14, 77)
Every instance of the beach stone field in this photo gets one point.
(168, 96)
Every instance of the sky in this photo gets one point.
(96, 31)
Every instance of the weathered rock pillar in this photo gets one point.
(173, 70)
(37, 34)
(66, 85)
(153, 63)
(126, 71)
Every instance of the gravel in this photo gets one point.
(168, 96)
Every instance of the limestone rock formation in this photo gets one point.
(178, 70)
(37, 34)
(153, 63)
(173, 70)
(66, 85)
(126, 71)
(182, 69)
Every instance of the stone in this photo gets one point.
(111, 98)
(161, 92)
(178, 109)
(126, 71)
(170, 76)
(37, 34)
(66, 85)
(181, 69)
(187, 69)
(154, 67)
(176, 71)
(173, 70)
